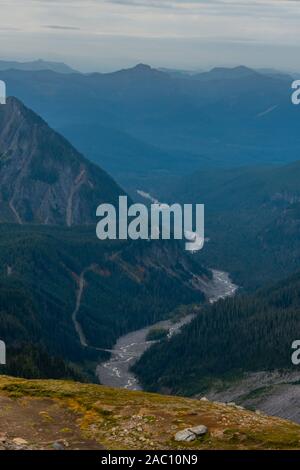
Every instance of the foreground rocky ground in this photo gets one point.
(60, 415)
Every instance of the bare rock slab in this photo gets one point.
(190, 434)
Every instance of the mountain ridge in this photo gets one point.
(38, 64)
(43, 177)
(213, 123)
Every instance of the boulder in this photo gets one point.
(58, 446)
(185, 436)
(190, 434)
(199, 430)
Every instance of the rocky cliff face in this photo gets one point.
(43, 179)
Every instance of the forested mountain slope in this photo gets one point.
(43, 178)
(125, 287)
(233, 337)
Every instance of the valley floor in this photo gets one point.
(129, 348)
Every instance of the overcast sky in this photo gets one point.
(194, 34)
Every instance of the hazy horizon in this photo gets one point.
(116, 68)
(106, 35)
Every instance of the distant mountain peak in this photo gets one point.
(36, 65)
(227, 73)
(143, 67)
(237, 68)
(240, 70)
(142, 70)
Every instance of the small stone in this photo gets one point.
(3, 438)
(58, 446)
(203, 399)
(19, 441)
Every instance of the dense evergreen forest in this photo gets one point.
(246, 333)
(125, 288)
(32, 361)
